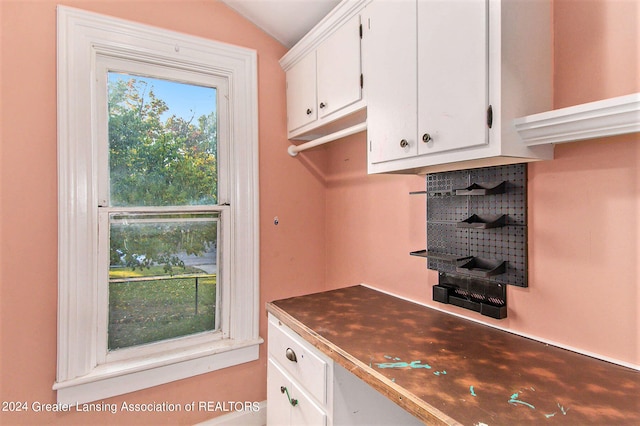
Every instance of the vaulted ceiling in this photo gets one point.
(285, 20)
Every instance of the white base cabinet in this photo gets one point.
(298, 380)
(445, 79)
(288, 403)
(305, 387)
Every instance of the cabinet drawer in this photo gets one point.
(279, 412)
(308, 368)
(288, 403)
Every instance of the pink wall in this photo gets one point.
(337, 225)
(292, 260)
(585, 205)
(584, 282)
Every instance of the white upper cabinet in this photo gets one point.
(446, 78)
(324, 76)
(301, 93)
(339, 69)
(452, 75)
(389, 60)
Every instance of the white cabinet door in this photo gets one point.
(389, 61)
(426, 64)
(445, 78)
(301, 92)
(452, 74)
(339, 68)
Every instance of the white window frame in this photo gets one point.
(84, 372)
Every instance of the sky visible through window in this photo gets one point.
(183, 100)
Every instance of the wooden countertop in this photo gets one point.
(448, 370)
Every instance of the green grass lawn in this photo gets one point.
(153, 310)
(152, 271)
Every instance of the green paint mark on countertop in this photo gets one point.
(514, 400)
(412, 364)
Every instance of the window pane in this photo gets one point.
(162, 142)
(162, 276)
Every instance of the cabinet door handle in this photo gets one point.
(404, 143)
(292, 401)
(309, 111)
(291, 355)
(322, 105)
(426, 138)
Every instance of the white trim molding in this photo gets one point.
(83, 374)
(609, 117)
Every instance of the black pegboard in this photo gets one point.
(445, 210)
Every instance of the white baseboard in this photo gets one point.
(240, 418)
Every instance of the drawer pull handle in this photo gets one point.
(291, 355)
(292, 401)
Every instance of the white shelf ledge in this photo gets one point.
(293, 150)
(609, 117)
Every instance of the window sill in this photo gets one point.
(118, 378)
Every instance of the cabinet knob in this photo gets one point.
(322, 105)
(426, 138)
(404, 143)
(309, 111)
(291, 355)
